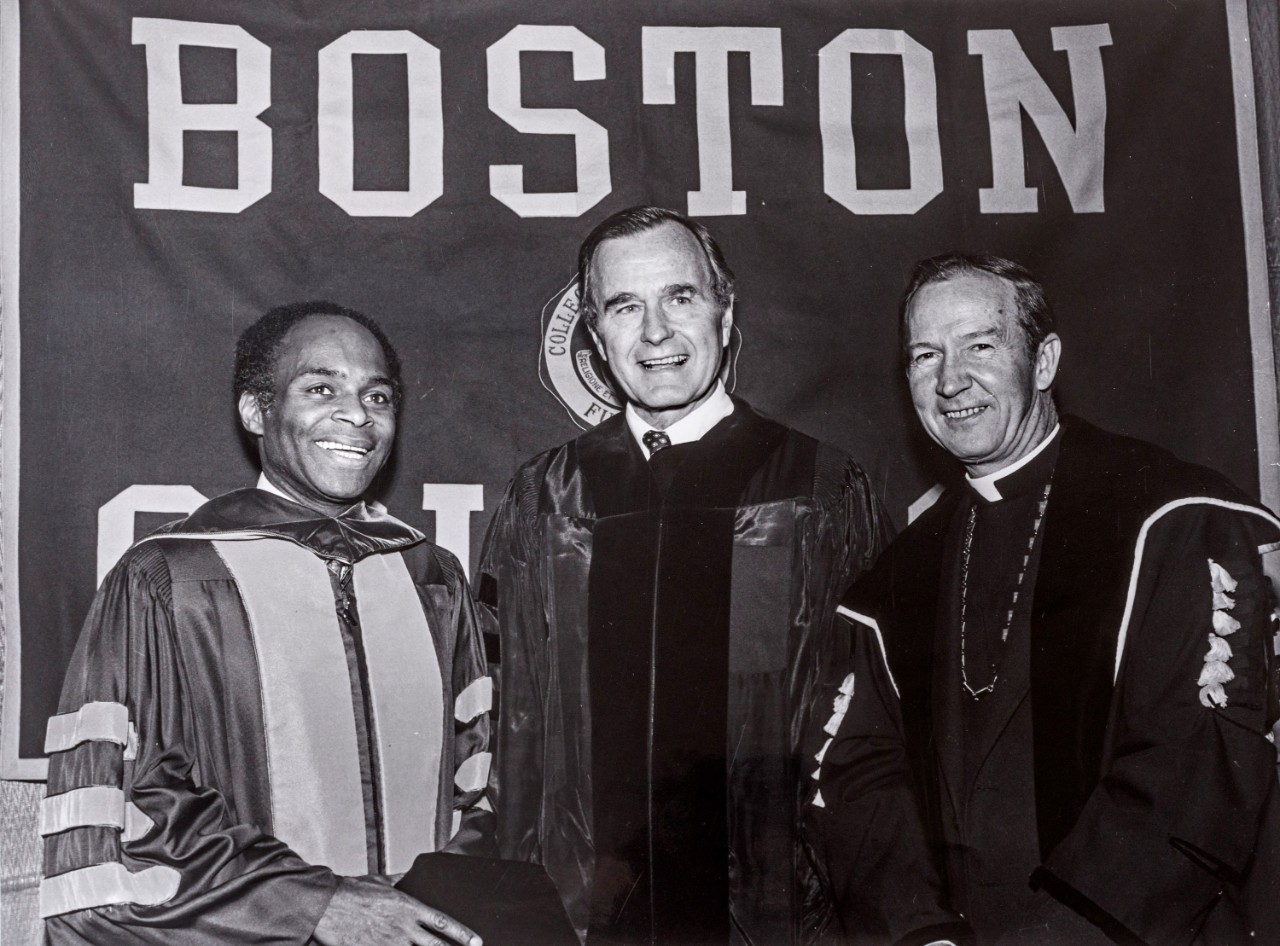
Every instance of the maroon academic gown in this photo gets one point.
(215, 763)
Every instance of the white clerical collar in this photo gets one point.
(692, 426)
(267, 486)
(985, 486)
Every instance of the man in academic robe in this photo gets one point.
(279, 700)
(664, 586)
(1056, 725)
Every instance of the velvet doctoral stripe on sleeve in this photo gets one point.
(196, 863)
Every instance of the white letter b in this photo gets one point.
(168, 116)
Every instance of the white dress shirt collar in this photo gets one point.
(267, 486)
(985, 486)
(692, 426)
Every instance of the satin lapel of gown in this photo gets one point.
(716, 474)
(613, 468)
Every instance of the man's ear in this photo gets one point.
(595, 340)
(250, 413)
(1046, 363)
(726, 324)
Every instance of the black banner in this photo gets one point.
(173, 169)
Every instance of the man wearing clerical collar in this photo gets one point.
(1055, 728)
(664, 585)
(280, 700)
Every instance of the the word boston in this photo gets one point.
(1012, 86)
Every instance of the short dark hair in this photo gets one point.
(258, 347)
(1035, 315)
(635, 220)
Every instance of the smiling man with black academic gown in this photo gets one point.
(280, 699)
(1055, 730)
(664, 586)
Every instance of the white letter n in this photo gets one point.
(1013, 83)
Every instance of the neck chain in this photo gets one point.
(1017, 588)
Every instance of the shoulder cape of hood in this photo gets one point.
(358, 532)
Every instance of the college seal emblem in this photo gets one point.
(569, 366)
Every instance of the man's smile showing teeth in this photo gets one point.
(652, 364)
(342, 449)
(965, 412)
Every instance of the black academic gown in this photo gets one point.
(205, 780)
(1154, 807)
(662, 631)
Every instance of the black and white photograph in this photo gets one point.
(652, 473)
